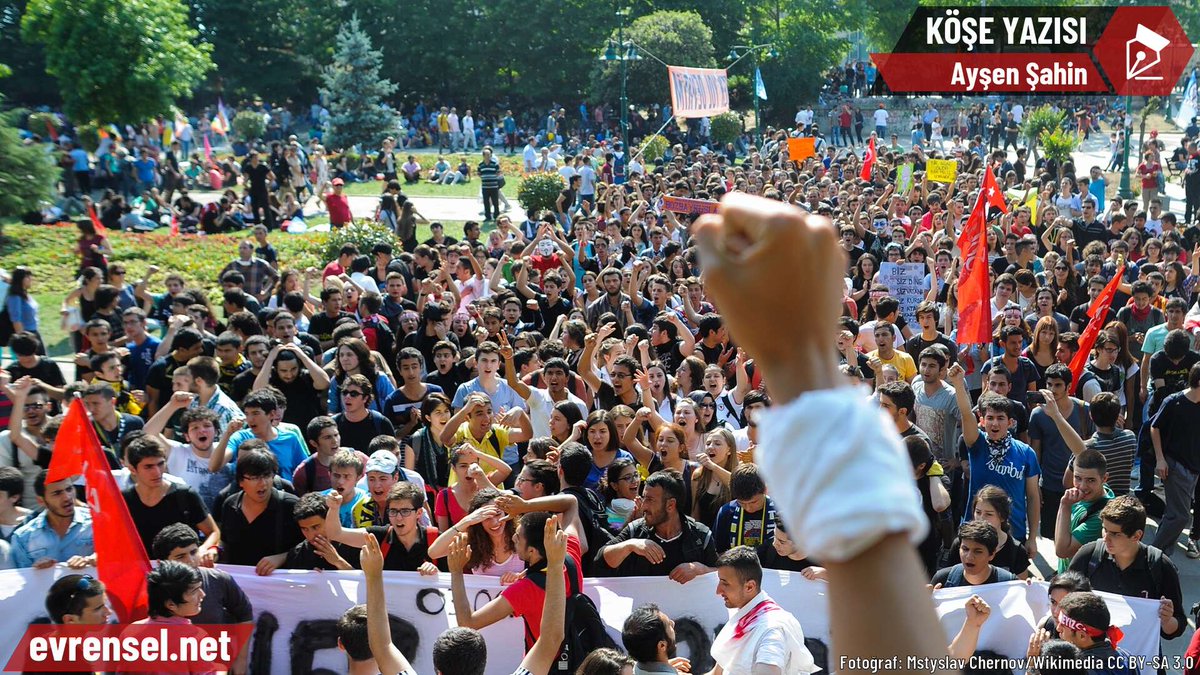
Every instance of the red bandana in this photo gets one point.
(1113, 634)
(746, 622)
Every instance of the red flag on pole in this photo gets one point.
(52, 131)
(100, 228)
(868, 160)
(974, 281)
(1096, 311)
(121, 560)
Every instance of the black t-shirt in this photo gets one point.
(400, 558)
(111, 439)
(916, 344)
(304, 400)
(1173, 374)
(159, 377)
(45, 370)
(256, 176)
(303, 557)
(358, 435)
(321, 325)
(180, 504)
(273, 531)
(243, 384)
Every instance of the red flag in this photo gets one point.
(52, 131)
(974, 282)
(1097, 311)
(868, 160)
(100, 228)
(121, 560)
(174, 225)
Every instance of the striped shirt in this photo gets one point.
(1118, 449)
(489, 173)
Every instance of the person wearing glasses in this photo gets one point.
(403, 543)
(78, 599)
(358, 424)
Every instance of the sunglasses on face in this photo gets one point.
(352, 394)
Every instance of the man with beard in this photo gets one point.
(664, 541)
(29, 449)
(614, 299)
(760, 637)
(61, 533)
(649, 637)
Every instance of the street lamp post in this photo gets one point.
(739, 52)
(624, 51)
(1125, 191)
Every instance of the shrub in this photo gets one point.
(540, 191)
(88, 136)
(653, 148)
(1039, 120)
(248, 125)
(364, 234)
(40, 123)
(1058, 145)
(725, 128)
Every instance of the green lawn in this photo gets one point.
(49, 252)
(422, 189)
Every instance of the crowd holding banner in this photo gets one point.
(437, 393)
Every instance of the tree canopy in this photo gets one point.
(118, 61)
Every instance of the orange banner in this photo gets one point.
(698, 92)
(800, 149)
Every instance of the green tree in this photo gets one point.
(725, 128)
(27, 172)
(248, 125)
(678, 38)
(354, 90)
(1037, 121)
(28, 82)
(118, 61)
(280, 57)
(807, 46)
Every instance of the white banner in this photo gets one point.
(296, 614)
(905, 282)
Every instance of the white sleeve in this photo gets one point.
(772, 649)
(831, 456)
(1090, 390)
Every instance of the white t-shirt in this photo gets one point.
(567, 172)
(587, 183)
(530, 155)
(881, 117)
(540, 405)
(29, 470)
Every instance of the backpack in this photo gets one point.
(592, 516)
(586, 631)
(6, 326)
(431, 535)
(1153, 560)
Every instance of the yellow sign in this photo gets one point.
(941, 170)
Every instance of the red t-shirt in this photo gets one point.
(333, 269)
(527, 598)
(446, 498)
(339, 209)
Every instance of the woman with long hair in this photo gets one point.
(93, 248)
(490, 533)
(1180, 284)
(992, 505)
(669, 453)
(289, 282)
(21, 306)
(689, 376)
(431, 459)
(602, 438)
(1131, 368)
(354, 356)
(1153, 251)
(1069, 293)
(659, 382)
(706, 409)
(563, 417)
(710, 482)
(1043, 348)
(861, 277)
(453, 503)
(619, 489)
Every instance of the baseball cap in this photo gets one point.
(382, 461)
(338, 181)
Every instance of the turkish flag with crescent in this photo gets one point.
(974, 282)
(121, 560)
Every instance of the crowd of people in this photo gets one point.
(576, 391)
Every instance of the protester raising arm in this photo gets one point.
(562, 503)
(391, 661)
(544, 652)
(757, 248)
